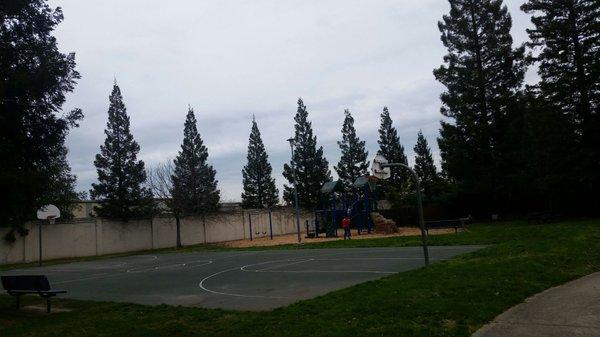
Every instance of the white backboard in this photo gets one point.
(377, 170)
(48, 212)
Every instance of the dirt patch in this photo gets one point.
(41, 309)
(293, 238)
(31, 310)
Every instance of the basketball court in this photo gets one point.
(240, 280)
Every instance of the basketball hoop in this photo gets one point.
(378, 169)
(48, 212)
(381, 169)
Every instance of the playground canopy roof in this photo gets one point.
(360, 182)
(331, 186)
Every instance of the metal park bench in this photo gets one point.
(541, 217)
(453, 223)
(29, 284)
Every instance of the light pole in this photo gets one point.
(292, 144)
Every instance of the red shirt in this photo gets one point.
(346, 223)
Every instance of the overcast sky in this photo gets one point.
(230, 60)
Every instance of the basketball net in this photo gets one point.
(51, 220)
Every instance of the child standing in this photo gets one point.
(346, 227)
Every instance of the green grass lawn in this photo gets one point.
(450, 298)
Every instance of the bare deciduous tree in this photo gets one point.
(160, 181)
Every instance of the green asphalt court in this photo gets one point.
(238, 280)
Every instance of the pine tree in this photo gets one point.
(425, 167)
(483, 75)
(390, 148)
(550, 152)
(353, 163)
(311, 167)
(35, 79)
(62, 187)
(121, 176)
(259, 186)
(566, 36)
(194, 183)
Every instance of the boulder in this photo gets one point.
(383, 225)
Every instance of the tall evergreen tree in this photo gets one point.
(353, 163)
(35, 78)
(425, 167)
(483, 75)
(62, 187)
(259, 186)
(566, 36)
(194, 183)
(312, 169)
(121, 176)
(550, 153)
(390, 147)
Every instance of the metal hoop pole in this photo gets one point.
(250, 224)
(40, 242)
(270, 225)
(419, 207)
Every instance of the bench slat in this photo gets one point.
(451, 223)
(25, 282)
(36, 291)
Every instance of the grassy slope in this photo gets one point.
(451, 298)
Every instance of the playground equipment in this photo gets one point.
(335, 204)
(260, 225)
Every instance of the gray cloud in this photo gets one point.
(232, 59)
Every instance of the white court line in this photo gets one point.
(113, 266)
(242, 268)
(153, 268)
(245, 269)
(87, 278)
(146, 258)
(268, 269)
(168, 266)
(294, 258)
(78, 269)
(282, 265)
(378, 258)
(150, 269)
(324, 271)
(152, 257)
(201, 285)
(193, 265)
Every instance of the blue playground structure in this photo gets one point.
(335, 204)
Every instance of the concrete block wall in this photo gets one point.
(96, 236)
